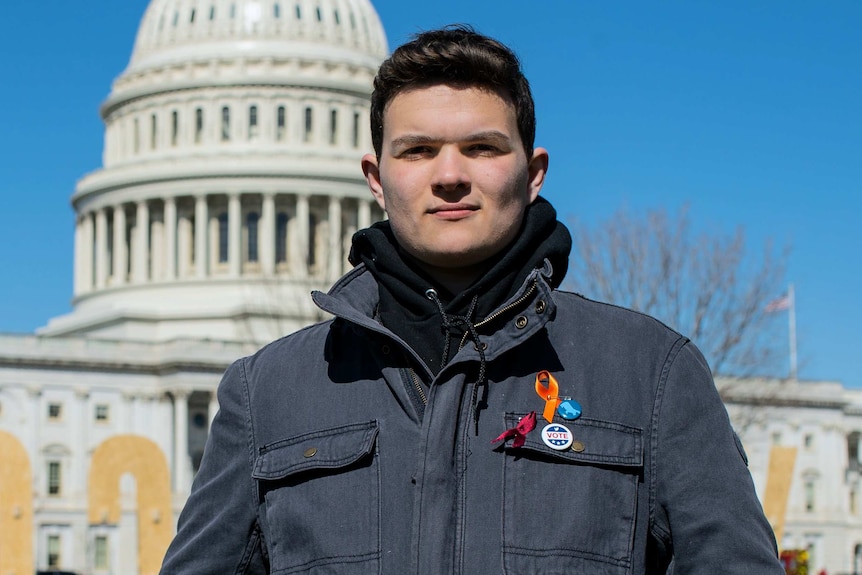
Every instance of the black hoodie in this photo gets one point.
(404, 307)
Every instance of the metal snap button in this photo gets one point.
(484, 346)
(385, 349)
(310, 452)
(540, 306)
(578, 446)
(521, 322)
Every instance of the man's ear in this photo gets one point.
(537, 169)
(371, 169)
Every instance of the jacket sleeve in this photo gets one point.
(703, 500)
(218, 532)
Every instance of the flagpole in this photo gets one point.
(792, 331)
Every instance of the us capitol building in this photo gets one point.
(231, 188)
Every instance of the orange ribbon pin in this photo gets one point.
(548, 389)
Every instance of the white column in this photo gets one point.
(101, 248)
(184, 245)
(181, 442)
(128, 408)
(234, 226)
(364, 215)
(121, 253)
(36, 431)
(80, 425)
(77, 271)
(334, 258)
(170, 238)
(299, 241)
(201, 226)
(266, 235)
(142, 236)
(157, 248)
(87, 254)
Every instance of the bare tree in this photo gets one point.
(708, 286)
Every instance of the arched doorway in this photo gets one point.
(16, 503)
(140, 457)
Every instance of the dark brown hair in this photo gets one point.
(459, 56)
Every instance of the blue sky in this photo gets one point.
(748, 112)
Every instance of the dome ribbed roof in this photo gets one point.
(172, 29)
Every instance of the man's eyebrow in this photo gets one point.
(494, 135)
(410, 140)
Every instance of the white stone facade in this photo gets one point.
(63, 397)
(823, 422)
(230, 188)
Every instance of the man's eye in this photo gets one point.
(483, 148)
(416, 151)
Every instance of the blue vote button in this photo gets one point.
(569, 409)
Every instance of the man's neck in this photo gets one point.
(453, 280)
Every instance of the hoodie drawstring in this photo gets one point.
(465, 323)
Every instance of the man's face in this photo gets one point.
(453, 175)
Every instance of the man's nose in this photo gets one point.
(450, 170)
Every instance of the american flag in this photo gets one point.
(779, 304)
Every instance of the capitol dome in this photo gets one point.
(231, 182)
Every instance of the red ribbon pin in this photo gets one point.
(520, 431)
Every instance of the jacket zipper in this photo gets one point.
(502, 311)
(418, 386)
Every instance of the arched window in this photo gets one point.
(212, 12)
(355, 129)
(222, 238)
(252, 122)
(276, 10)
(55, 479)
(199, 125)
(153, 132)
(192, 17)
(298, 12)
(225, 124)
(809, 478)
(857, 558)
(175, 127)
(54, 549)
(333, 127)
(308, 125)
(281, 123)
(251, 222)
(281, 238)
(319, 15)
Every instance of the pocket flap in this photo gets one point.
(323, 449)
(598, 442)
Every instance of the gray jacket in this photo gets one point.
(324, 457)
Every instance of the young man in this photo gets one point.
(459, 414)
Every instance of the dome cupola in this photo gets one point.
(231, 181)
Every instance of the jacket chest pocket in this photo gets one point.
(320, 501)
(572, 511)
